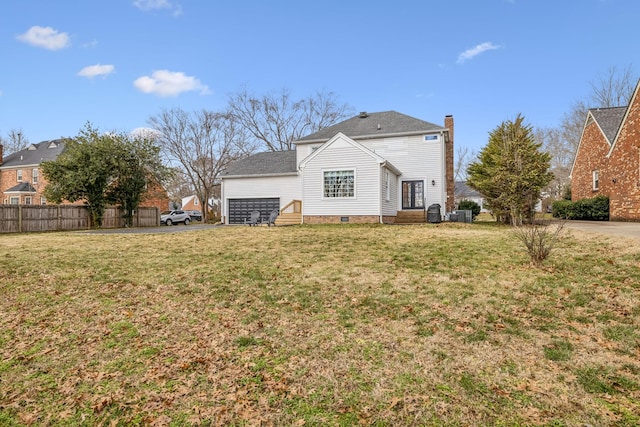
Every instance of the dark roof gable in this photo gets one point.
(34, 154)
(374, 125)
(609, 120)
(267, 163)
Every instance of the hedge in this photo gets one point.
(595, 209)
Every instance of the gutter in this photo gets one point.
(260, 175)
(373, 136)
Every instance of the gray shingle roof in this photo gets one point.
(34, 154)
(267, 163)
(23, 187)
(463, 190)
(366, 125)
(609, 120)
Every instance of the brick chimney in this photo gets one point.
(448, 146)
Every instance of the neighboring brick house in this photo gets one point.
(22, 182)
(607, 161)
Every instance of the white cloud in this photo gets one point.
(152, 4)
(475, 51)
(96, 70)
(93, 43)
(45, 37)
(147, 5)
(167, 83)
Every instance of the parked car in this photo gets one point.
(195, 215)
(175, 217)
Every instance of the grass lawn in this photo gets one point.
(436, 324)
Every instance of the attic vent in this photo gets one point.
(363, 115)
(379, 126)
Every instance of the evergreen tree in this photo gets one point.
(511, 171)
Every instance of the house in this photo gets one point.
(193, 203)
(383, 167)
(21, 182)
(607, 160)
(464, 192)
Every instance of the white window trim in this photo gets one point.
(19, 175)
(353, 170)
(35, 174)
(14, 200)
(595, 177)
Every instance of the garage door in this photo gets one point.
(240, 209)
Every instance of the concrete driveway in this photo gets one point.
(626, 229)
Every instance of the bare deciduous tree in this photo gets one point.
(202, 143)
(561, 159)
(14, 142)
(613, 89)
(276, 120)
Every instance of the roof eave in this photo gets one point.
(30, 165)
(376, 135)
(260, 175)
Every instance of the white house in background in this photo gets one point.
(464, 192)
(382, 167)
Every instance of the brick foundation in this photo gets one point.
(337, 219)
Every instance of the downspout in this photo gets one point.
(380, 178)
(223, 208)
(301, 174)
(443, 176)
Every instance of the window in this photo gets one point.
(27, 200)
(596, 180)
(387, 186)
(339, 183)
(19, 175)
(14, 200)
(43, 200)
(34, 175)
(195, 201)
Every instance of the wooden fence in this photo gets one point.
(37, 218)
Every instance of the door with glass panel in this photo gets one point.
(412, 195)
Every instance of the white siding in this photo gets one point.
(417, 159)
(342, 155)
(287, 188)
(304, 150)
(389, 207)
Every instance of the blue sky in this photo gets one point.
(115, 63)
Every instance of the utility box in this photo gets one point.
(465, 216)
(433, 213)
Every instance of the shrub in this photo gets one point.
(562, 209)
(539, 239)
(596, 209)
(470, 205)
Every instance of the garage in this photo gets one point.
(240, 209)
